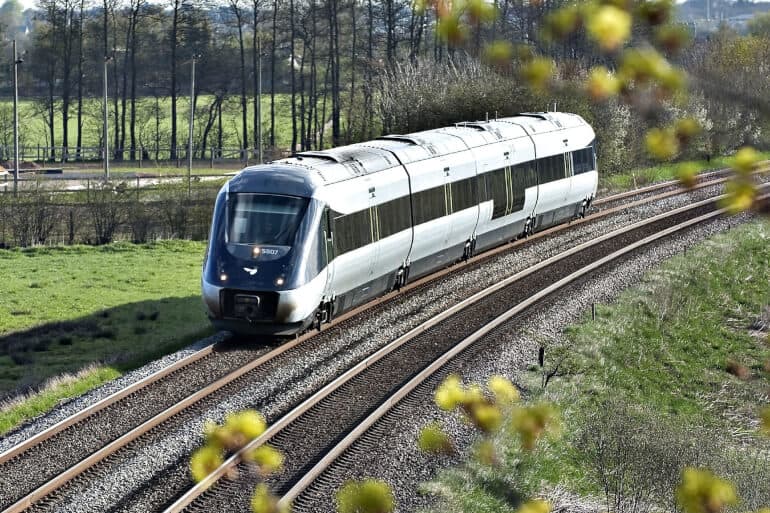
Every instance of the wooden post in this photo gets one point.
(593, 311)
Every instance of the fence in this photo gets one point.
(101, 212)
(139, 156)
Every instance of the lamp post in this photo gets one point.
(16, 62)
(192, 119)
(107, 59)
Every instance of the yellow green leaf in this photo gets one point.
(535, 506)
(268, 458)
(368, 496)
(702, 492)
(602, 84)
(505, 391)
(204, 461)
(538, 72)
(662, 143)
(740, 195)
(450, 393)
(248, 422)
(687, 173)
(432, 439)
(610, 27)
(745, 160)
(499, 53)
(532, 422)
(265, 502)
(487, 417)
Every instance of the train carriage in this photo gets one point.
(301, 240)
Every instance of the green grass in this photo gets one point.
(56, 390)
(116, 306)
(665, 349)
(34, 131)
(639, 177)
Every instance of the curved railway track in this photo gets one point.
(220, 366)
(333, 418)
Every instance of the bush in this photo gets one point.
(637, 455)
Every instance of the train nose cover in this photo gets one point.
(262, 282)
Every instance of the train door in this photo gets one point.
(568, 173)
(374, 228)
(327, 241)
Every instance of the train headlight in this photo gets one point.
(223, 277)
(280, 281)
(255, 252)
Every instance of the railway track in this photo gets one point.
(222, 365)
(320, 429)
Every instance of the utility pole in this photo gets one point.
(16, 62)
(259, 99)
(190, 134)
(107, 59)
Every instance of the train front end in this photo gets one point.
(264, 271)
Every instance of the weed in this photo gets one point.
(154, 315)
(65, 341)
(140, 330)
(738, 370)
(140, 316)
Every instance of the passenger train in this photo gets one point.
(300, 240)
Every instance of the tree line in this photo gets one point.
(343, 64)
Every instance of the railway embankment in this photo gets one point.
(672, 372)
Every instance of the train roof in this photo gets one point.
(354, 160)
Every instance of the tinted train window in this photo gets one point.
(551, 169)
(506, 187)
(583, 160)
(498, 190)
(351, 231)
(463, 194)
(264, 218)
(429, 204)
(395, 216)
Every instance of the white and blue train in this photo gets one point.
(300, 240)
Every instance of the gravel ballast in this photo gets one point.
(508, 351)
(150, 472)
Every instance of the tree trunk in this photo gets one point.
(174, 30)
(272, 75)
(293, 80)
(244, 101)
(80, 82)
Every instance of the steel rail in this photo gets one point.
(44, 435)
(60, 426)
(303, 407)
(670, 183)
(356, 433)
(138, 431)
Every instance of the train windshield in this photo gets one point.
(264, 218)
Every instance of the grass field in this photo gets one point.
(33, 130)
(634, 178)
(672, 374)
(112, 308)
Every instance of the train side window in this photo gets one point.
(464, 194)
(429, 204)
(394, 216)
(584, 160)
(352, 231)
(551, 168)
